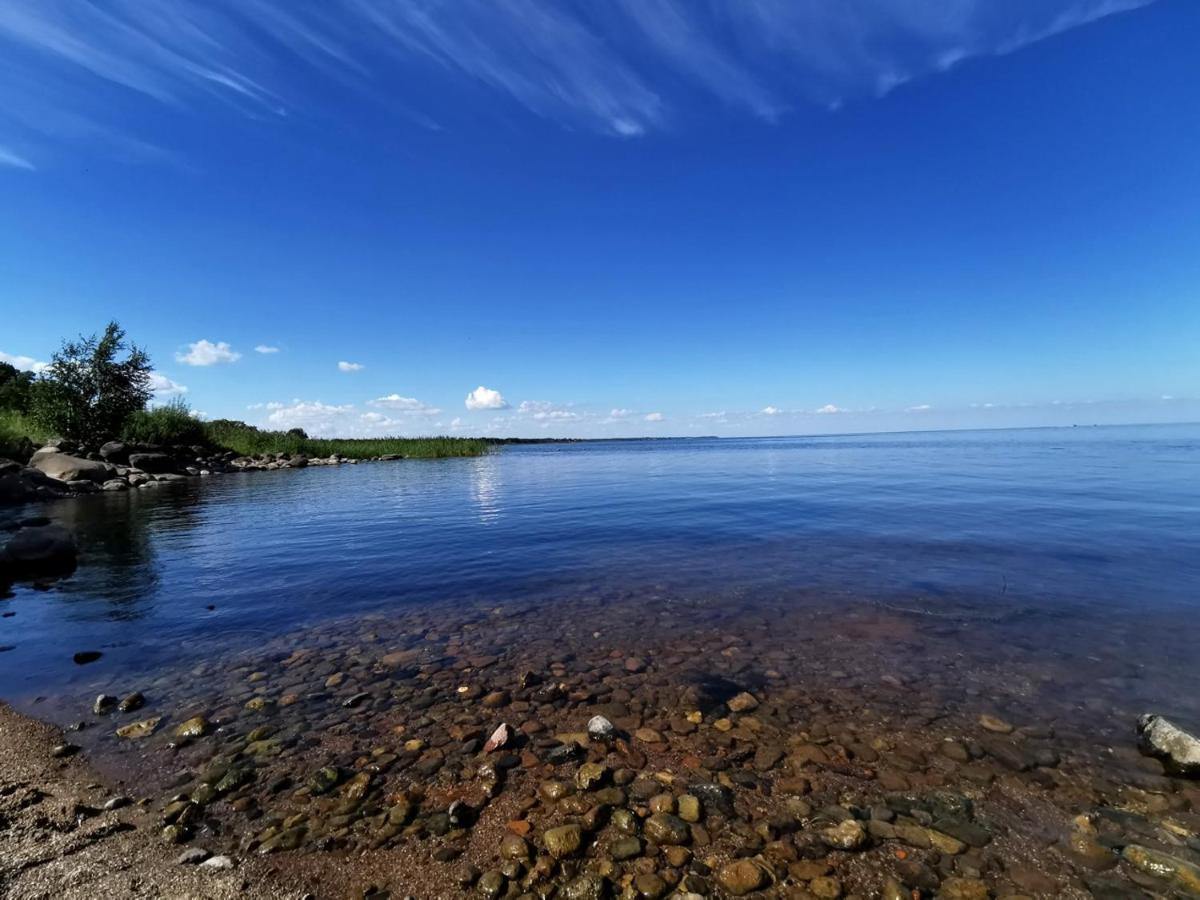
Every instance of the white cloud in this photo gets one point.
(545, 411)
(920, 407)
(653, 417)
(350, 366)
(485, 398)
(771, 411)
(24, 363)
(404, 404)
(266, 348)
(829, 409)
(206, 353)
(164, 386)
(620, 413)
(713, 415)
(15, 160)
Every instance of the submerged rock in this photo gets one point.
(1179, 750)
(1182, 875)
(40, 550)
(141, 729)
(600, 729)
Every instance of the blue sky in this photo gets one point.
(639, 217)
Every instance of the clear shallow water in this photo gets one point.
(1101, 524)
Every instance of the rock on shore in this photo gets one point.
(1179, 750)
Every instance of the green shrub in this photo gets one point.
(19, 435)
(87, 393)
(172, 423)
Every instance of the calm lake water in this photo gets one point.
(1095, 524)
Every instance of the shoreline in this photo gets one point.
(353, 754)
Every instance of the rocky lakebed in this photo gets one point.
(630, 745)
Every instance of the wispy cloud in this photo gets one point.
(344, 366)
(206, 353)
(654, 417)
(771, 411)
(408, 405)
(266, 348)
(13, 159)
(828, 410)
(625, 68)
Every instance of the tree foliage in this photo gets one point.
(88, 392)
(16, 388)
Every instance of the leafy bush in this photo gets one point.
(169, 424)
(87, 393)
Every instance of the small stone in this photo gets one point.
(217, 862)
(589, 775)
(104, 704)
(600, 729)
(83, 657)
(847, 835)
(951, 846)
(664, 828)
(1089, 852)
(625, 848)
(689, 808)
(499, 739)
(137, 730)
(115, 803)
(587, 886)
(323, 780)
(513, 846)
(650, 886)
(132, 702)
(192, 856)
(825, 887)
(635, 664)
(994, 724)
(491, 884)
(562, 841)
(194, 727)
(743, 702)
(963, 889)
(741, 877)
(648, 736)
(61, 751)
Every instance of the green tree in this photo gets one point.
(16, 388)
(87, 393)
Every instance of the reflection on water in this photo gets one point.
(486, 487)
(1098, 522)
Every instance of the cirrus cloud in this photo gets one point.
(266, 348)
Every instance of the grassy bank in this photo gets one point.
(17, 430)
(172, 425)
(248, 441)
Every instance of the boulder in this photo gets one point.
(115, 452)
(14, 489)
(155, 463)
(40, 550)
(65, 467)
(1179, 751)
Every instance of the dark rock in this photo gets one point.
(83, 657)
(41, 550)
(154, 463)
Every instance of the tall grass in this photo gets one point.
(247, 440)
(17, 432)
